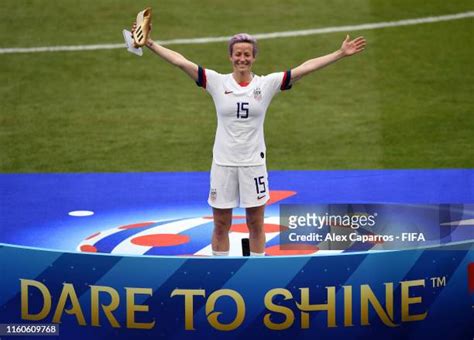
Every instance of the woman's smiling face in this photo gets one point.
(242, 57)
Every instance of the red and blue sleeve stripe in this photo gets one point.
(202, 80)
(285, 83)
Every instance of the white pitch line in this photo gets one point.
(207, 40)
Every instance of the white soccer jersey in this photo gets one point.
(240, 114)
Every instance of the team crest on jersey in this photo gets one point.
(257, 93)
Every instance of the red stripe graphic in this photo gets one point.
(136, 225)
(279, 195)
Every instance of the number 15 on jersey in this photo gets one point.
(242, 110)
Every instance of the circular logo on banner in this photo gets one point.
(181, 237)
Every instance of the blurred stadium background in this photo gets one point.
(406, 102)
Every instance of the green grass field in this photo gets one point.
(406, 102)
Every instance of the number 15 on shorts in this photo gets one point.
(260, 185)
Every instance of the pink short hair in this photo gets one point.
(243, 37)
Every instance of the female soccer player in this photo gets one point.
(238, 172)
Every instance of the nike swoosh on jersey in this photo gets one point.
(260, 197)
(227, 92)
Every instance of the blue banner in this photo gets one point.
(424, 293)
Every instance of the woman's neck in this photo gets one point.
(242, 77)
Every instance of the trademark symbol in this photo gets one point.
(438, 281)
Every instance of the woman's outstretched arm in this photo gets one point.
(174, 58)
(348, 48)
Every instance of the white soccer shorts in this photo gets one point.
(234, 186)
